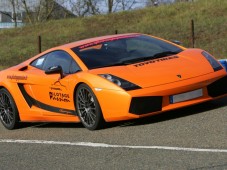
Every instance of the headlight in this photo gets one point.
(214, 63)
(126, 85)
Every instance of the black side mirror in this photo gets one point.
(55, 70)
(176, 42)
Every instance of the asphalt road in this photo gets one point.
(190, 138)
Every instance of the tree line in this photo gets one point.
(43, 10)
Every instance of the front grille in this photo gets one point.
(218, 87)
(143, 105)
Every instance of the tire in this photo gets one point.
(88, 108)
(9, 115)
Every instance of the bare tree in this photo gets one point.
(127, 4)
(110, 4)
(14, 15)
(83, 8)
(78, 7)
(27, 10)
(43, 10)
(119, 5)
(92, 6)
(48, 8)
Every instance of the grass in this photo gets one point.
(172, 22)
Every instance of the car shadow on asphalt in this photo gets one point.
(50, 125)
(168, 115)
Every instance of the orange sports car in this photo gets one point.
(109, 78)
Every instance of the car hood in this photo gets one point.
(185, 65)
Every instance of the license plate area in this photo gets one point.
(186, 96)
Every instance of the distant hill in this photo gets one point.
(172, 22)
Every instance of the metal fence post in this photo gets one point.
(39, 44)
(193, 33)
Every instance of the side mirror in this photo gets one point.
(55, 70)
(176, 42)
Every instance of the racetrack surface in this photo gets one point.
(190, 138)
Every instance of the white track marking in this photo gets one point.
(103, 145)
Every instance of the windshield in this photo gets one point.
(123, 50)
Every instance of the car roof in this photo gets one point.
(90, 40)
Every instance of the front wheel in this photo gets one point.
(88, 108)
(8, 110)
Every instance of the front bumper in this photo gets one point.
(124, 105)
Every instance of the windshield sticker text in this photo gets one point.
(155, 61)
(105, 40)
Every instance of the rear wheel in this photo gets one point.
(88, 108)
(8, 110)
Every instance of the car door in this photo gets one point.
(53, 93)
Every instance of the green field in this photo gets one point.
(172, 22)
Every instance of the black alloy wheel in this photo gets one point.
(88, 108)
(8, 110)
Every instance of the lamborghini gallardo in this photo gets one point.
(108, 78)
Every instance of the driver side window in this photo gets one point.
(56, 58)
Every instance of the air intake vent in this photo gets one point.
(218, 87)
(143, 105)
